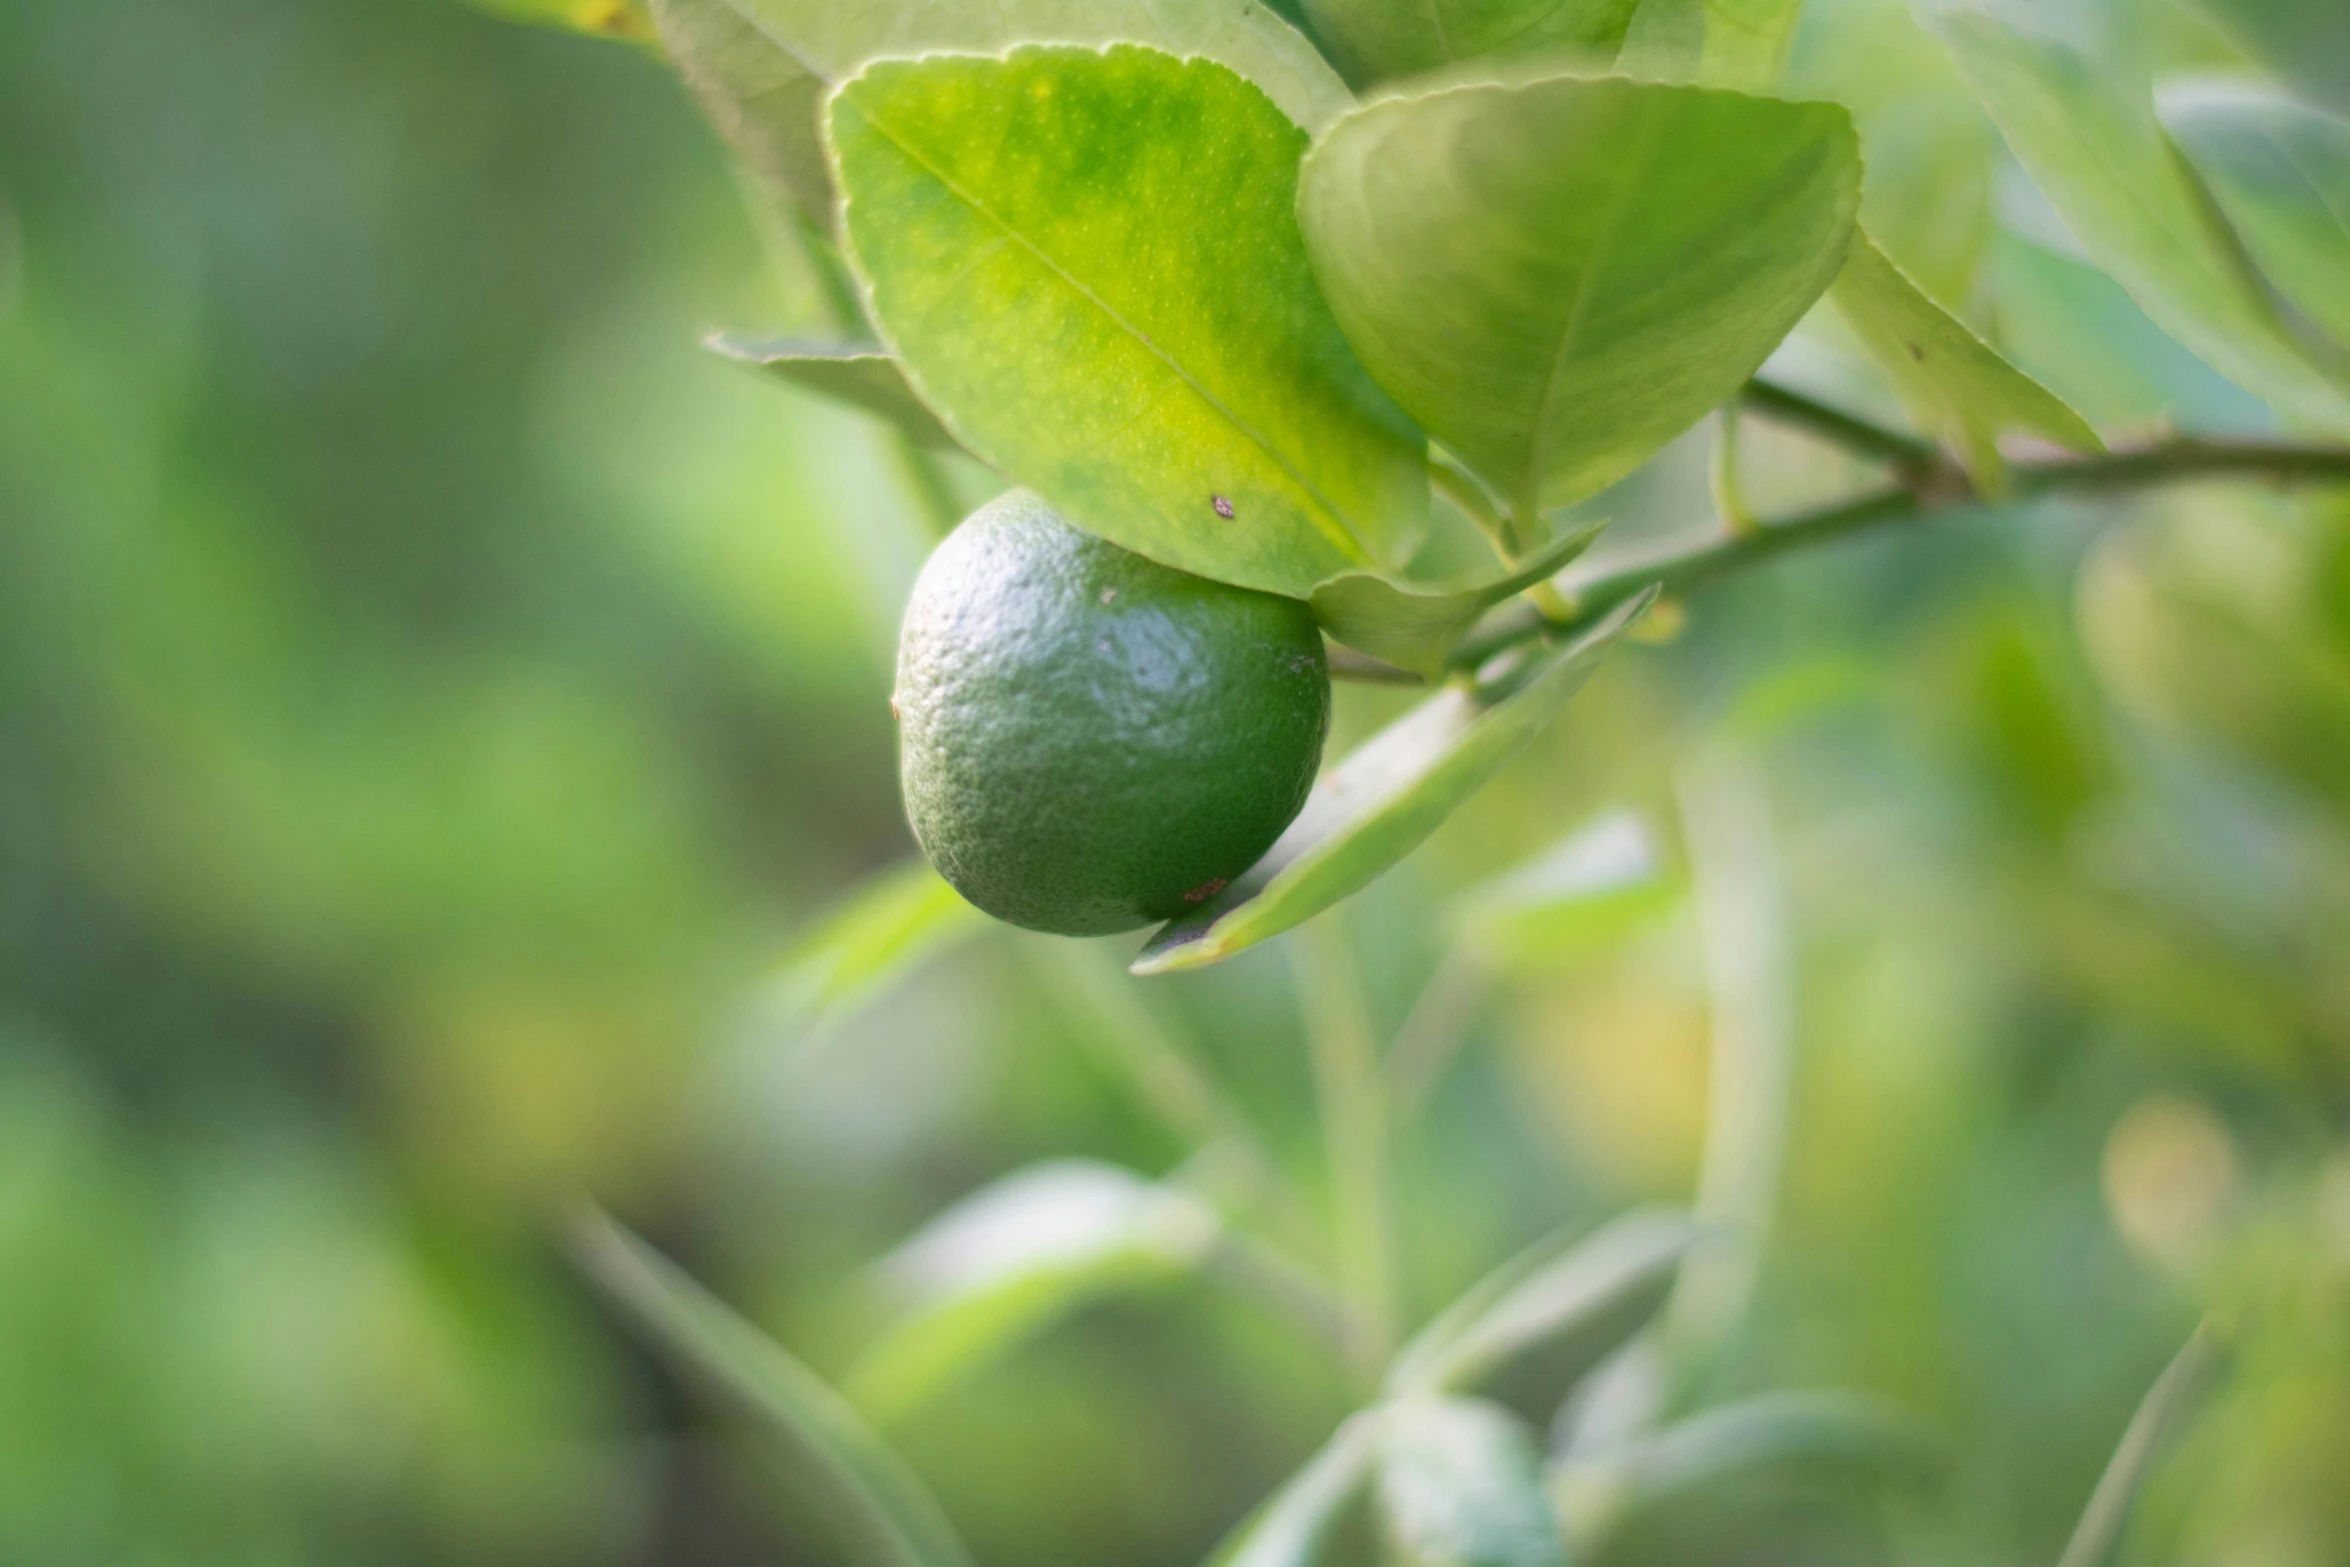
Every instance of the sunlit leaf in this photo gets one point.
(1956, 385)
(1294, 1527)
(1386, 797)
(1415, 625)
(2105, 165)
(871, 1503)
(1589, 885)
(1013, 1258)
(2281, 173)
(860, 374)
(626, 19)
(1377, 39)
(1536, 1326)
(1460, 1485)
(878, 933)
(1557, 277)
(1716, 43)
(1089, 263)
(2168, 1405)
(761, 67)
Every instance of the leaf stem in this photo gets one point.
(1461, 487)
(1352, 1089)
(1601, 586)
(1862, 437)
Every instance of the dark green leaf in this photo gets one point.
(1385, 799)
(1557, 277)
(2105, 165)
(1294, 1527)
(1377, 39)
(1012, 1259)
(1460, 1485)
(860, 374)
(1541, 1322)
(761, 67)
(1956, 385)
(2281, 173)
(1089, 263)
(1414, 625)
(870, 1501)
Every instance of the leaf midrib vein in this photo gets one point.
(1325, 515)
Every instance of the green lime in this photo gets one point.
(1092, 741)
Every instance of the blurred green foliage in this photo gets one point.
(433, 693)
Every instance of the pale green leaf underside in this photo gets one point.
(862, 375)
(1414, 625)
(1557, 277)
(2173, 1400)
(1384, 799)
(1955, 385)
(2307, 42)
(1378, 39)
(1460, 1485)
(1089, 264)
(876, 934)
(1716, 43)
(2281, 173)
(1294, 1526)
(762, 67)
(875, 1508)
(1013, 1258)
(2104, 163)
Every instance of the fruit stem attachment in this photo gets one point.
(1601, 585)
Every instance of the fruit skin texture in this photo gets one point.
(1091, 741)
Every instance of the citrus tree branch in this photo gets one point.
(1593, 590)
(1855, 434)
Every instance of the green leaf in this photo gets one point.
(2103, 162)
(1378, 39)
(1956, 385)
(2307, 42)
(1460, 1485)
(2175, 1396)
(761, 67)
(1385, 799)
(2281, 173)
(1716, 43)
(1013, 1258)
(1294, 1526)
(896, 920)
(626, 19)
(869, 1500)
(1589, 886)
(860, 374)
(1416, 625)
(1089, 263)
(1558, 277)
(1541, 1322)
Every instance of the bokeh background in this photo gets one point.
(435, 697)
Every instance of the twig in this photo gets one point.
(1855, 434)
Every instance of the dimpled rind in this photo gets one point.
(1090, 741)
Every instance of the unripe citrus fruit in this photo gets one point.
(1091, 741)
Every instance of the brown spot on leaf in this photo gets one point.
(1915, 352)
(1206, 889)
(893, 707)
(1223, 506)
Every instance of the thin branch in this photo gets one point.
(1857, 435)
(1602, 586)
(1362, 668)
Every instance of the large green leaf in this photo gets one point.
(761, 67)
(862, 375)
(1415, 625)
(1557, 277)
(1294, 1527)
(2103, 162)
(1542, 1321)
(1384, 800)
(1013, 1258)
(1717, 43)
(1089, 263)
(1460, 1485)
(870, 1501)
(1377, 39)
(2281, 173)
(1956, 385)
